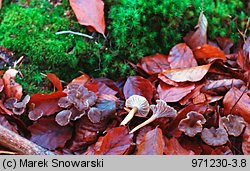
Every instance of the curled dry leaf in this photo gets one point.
(233, 124)
(154, 64)
(192, 74)
(87, 17)
(199, 37)
(181, 56)
(192, 124)
(136, 85)
(237, 103)
(48, 134)
(214, 137)
(55, 80)
(208, 51)
(174, 94)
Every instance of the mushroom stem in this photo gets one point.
(129, 116)
(148, 121)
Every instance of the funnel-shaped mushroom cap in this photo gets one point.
(214, 137)
(161, 109)
(234, 124)
(139, 102)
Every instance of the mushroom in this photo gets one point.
(138, 104)
(19, 107)
(214, 137)
(234, 124)
(35, 114)
(9, 103)
(192, 124)
(63, 117)
(94, 115)
(161, 109)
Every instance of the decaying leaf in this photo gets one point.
(173, 147)
(208, 51)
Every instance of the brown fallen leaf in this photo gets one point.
(174, 94)
(152, 143)
(55, 81)
(237, 103)
(181, 56)
(192, 74)
(173, 147)
(208, 51)
(90, 13)
(246, 141)
(154, 64)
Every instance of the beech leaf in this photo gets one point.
(173, 147)
(192, 74)
(181, 56)
(152, 143)
(246, 141)
(174, 94)
(90, 13)
(55, 80)
(208, 51)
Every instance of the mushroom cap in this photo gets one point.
(234, 124)
(63, 117)
(161, 109)
(9, 103)
(214, 137)
(139, 102)
(192, 124)
(35, 114)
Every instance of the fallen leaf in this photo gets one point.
(208, 51)
(55, 80)
(246, 141)
(48, 103)
(81, 80)
(48, 134)
(5, 123)
(173, 147)
(192, 74)
(225, 44)
(90, 13)
(199, 37)
(136, 85)
(174, 94)
(11, 88)
(240, 103)
(152, 143)
(115, 142)
(181, 56)
(154, 64)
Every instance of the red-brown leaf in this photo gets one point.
(173, 147)
(11, 88)
(48, 134)
(136, 85)
(48, 103)
(199, 37)
(246, 141)
(152, 143)
(174, 94)
(192, 74)
(240, 103)
(90, 13)
(81, 80)
(225, 44)
(208, 51)
(55, 80)
(116, 142)
(154, 64)
(181, 56)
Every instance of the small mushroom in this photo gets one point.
(161, 109)
(94, 115)
(138, 104)
(19, 107)
(64, 102)
(192, 124)
(63, 117)
(234, 124)
(214, 137)
(9, 103)
(35, 114)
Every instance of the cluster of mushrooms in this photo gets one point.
(191, 125)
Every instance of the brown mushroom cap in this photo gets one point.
(139, 102)
(161, 109)
(214, 137)
(234, 124)
(192, 124)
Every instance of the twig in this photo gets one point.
(76, 33)
(23, 146)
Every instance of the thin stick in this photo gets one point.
(21, 145)
(76, 33)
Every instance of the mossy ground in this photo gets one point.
(135, 28)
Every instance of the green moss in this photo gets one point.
(135, 28)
